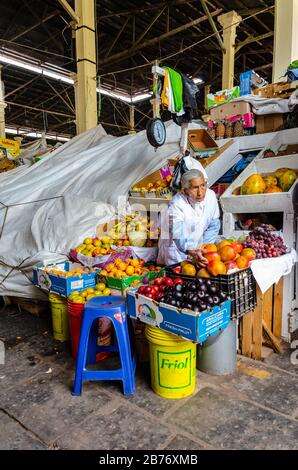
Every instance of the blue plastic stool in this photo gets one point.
(113, 308)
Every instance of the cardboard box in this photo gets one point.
(196, 327)
(62, 285)
(269, 123)
(248, 120)
(222, 96)
(229, 110)
(123, 283)
(201, 143)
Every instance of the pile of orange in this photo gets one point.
(126, 268)
(78, 272)
(225, 257)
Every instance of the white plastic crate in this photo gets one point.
(279, 142)
(273, 202)
(287, 231)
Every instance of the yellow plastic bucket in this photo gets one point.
(172, 364)
(59, 317)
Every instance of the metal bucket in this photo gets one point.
(217, 355)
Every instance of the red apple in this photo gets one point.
(178, 281)
(158, 281)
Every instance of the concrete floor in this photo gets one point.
(255, 408)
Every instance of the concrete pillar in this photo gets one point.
(85, 84)
(285, 37)
(229, 21)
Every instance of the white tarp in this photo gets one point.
(51, 206)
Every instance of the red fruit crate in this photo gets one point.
(240, 287)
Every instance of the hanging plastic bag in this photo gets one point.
(183, 165)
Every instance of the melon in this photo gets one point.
(273, 189)
(253, 185)
(287, 179)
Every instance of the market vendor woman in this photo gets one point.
(191, 219)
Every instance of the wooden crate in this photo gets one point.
(277, 90)
(262, 326)
(38, 308)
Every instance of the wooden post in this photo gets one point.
(229, 22)
(277, 308)
(85, 85)
(257, 333)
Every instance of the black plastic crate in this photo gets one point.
(239, 286)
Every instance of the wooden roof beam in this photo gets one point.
(213, 25)
(250, 40)
(44, 20)
(117, 37)
(69, 10)
(150, 26)
(133, 50)
(156, 6)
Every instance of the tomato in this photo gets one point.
(158, 281)
(168, 281)
(154, 289)
(178, 281)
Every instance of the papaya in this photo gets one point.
(273, 189)
(287, 179)
(253, 185)
(270, 181)
(278, 173)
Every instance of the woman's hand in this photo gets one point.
(197, 256)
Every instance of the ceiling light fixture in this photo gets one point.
(64, 78)
(38, 135)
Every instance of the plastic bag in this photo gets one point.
(183, 165)
(101, 261)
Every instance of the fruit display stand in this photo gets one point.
(155, 185)
(282, 144)
(273, 202)
(280, 203)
